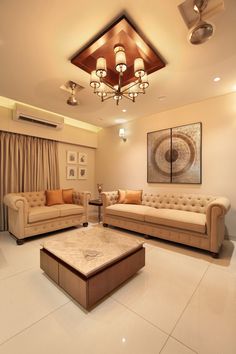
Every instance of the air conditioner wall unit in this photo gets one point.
(37, 117)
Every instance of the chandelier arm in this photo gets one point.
(108, 85)
(107, 98)
(128, 98)
(134, 84)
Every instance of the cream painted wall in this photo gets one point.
(84, 141)
(79, 185)
(68, 134)
(123, 164)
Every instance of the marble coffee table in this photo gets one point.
(90, 264)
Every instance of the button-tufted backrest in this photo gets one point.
(35, 199)
(187, 202)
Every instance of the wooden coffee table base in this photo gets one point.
(88, 291)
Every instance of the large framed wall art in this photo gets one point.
(175, 155)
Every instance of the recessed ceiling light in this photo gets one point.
(120, 120)
(216, 79)
(161, 98)
(124, 110)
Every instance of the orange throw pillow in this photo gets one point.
(54, 197)
(67, 195)
(133, 197)
(121, 196)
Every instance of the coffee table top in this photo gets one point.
(91, 250)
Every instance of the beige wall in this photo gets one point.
(83, 141)
(123, 164)
(80, 185)
(68, 134)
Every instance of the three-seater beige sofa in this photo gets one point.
(28, 214)
(194, 220)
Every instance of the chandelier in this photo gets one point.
(129, 91)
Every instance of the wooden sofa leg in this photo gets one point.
(85, 224)
(215, 255)
(20, 241)
(105, 225)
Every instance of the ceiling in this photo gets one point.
(38, 38)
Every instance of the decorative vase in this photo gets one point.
(99, 186)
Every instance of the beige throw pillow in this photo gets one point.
(121, 196)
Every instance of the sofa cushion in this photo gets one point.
(177, 218)
(54, 197)
(67, 195)
(121, 196)
(133, 197)
(69, 209)
(131, 211)
(42, 213)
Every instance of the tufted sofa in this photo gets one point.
(28, 214)
(190, 219)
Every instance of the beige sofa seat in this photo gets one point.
(192, 219)
(42, 213)
(177, 218)
(131, 211)
(28, 214)
(69, 209)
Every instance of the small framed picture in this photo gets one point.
(72, 157)
(83, 173)
(71, 172)
(83, 158)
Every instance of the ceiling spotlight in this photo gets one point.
(201, 31)
(72, 101)
(216, 79)
(124, 110)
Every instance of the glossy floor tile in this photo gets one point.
(109, 328)
(182, 302)
(26, 298)
(208, 324)
(172, 346)
(162, 290)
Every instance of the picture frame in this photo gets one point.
(83, 173)
(71, 172)
(71, 157)
(83, 158)
(174, 155)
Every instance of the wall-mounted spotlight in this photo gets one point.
(122, 134)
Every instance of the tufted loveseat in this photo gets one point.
(28, 214)
(190, 219)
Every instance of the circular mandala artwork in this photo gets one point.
(181, 152)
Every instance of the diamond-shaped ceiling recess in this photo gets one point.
(121, 32)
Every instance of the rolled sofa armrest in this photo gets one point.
(109, 198)
(17, 214)
(82, 198)
(15, 201)
(222, 203)
(215, 217)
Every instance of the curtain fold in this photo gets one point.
(26, 164)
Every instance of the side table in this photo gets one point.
(98, 203)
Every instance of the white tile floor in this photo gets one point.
(182, 302)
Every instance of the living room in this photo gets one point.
(70, 282)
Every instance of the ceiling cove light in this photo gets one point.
(119, 60)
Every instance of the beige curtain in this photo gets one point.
(26, 164)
